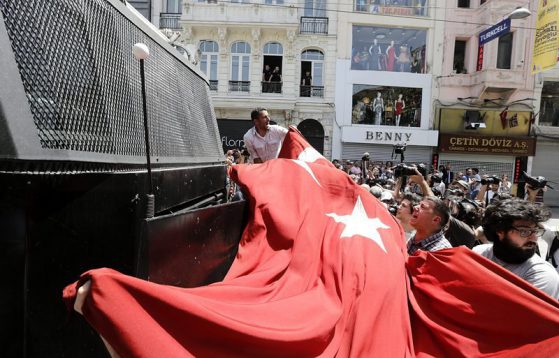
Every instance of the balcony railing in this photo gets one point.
(313, 25)
(239, 86)
(169, 20)
(271, 87)
(213, 85)
(311, 91)
(405, 8)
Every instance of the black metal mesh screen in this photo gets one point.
(83, 83)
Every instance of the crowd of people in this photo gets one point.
(441, 209)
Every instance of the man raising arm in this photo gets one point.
(263, 141)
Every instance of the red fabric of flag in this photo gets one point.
(320, 271)
(295, 146)
(464, 305)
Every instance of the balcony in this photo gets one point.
(271, 87)
(404, 8)
(169, 20)
(313, 25)
(239, 86)
(240, 12)
(311, 91)
(213, 85)
(505, 79)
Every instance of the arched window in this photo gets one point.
(209, 55)
(272, 68)
(273, 48)
(313, 132)
(312, 73)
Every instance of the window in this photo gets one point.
(549, 107)
(240, 65)
(386, 106)
(504, 53)
(459, 65)
(272, 71)
(312, 63)
(389, 49)
(273, 2)
(482, 2)
(315, 8)
(208, 61)
(464, 3)
(174, 6)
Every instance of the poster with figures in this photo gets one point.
(388, 49)
(386, 106)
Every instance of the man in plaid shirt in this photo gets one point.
(429, 219)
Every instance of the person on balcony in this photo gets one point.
(266, 77)
(276, 80)
(306, 84)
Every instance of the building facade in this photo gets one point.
(239, 42)
(388, 53)
(546, 129)
(485, 106)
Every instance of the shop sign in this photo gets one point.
(517, 146)
(391, 136)
(495, 31)
(231, 132)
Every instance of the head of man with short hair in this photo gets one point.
(429, 219)
(376, 191)
(430, 216)
(513, 226)
(406, 209)
(260, 119)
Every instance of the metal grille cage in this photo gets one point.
(83, 83)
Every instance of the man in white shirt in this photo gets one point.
(513, 225)
(263, 141)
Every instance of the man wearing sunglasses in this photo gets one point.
(513, 225)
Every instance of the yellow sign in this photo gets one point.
(546, 43)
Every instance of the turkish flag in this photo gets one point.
(320, 271)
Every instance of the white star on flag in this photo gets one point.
(305, 166)
(310, 155)
(358, 223)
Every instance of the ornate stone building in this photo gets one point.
(238, 41)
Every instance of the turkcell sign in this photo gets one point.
(494, 32)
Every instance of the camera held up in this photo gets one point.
(402, 169)
(491, 180)
(535, 183)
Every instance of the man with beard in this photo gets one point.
(263, 141)
(513, 225)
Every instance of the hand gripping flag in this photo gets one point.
(320, 271)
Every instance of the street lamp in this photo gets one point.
(519, 13)
(141, 52)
